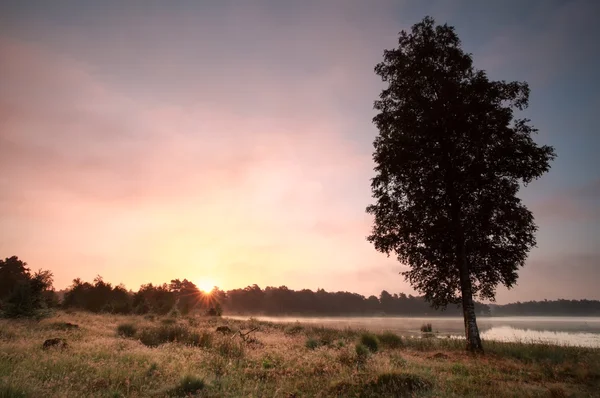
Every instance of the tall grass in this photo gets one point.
(100, 363)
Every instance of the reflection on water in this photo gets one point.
(508, 333)
(581, 331)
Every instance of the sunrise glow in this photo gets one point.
(205, 285)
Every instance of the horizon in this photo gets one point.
(224, 143)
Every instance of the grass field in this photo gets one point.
(136, 356)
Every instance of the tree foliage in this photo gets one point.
(22, 293)
(450, 158)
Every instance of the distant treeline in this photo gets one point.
(548, 308)
(23, 293)
(184, 296)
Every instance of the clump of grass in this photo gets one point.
(557, 392)
(203, 339)
(230, 348)
(362, 354)
(346, 358)
(62, 326)
(370, 341)
(396, 385)
(294, 329)
(11, 392)
(311, 344)
(126, 329)
(426, 328)
(397, 361)
(390, 340)
(155, 336)
(7, 335)
(187, 386)
(533, 352)
(152, 369)
(384, 385)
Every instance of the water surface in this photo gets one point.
(575, 331)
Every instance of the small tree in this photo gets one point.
(450, 159)
(21, 292)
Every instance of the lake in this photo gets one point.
(573, 331)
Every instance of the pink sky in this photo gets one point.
(231, 145)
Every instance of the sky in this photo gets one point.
(230, 142)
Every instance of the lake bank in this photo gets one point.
(273, 359)
(572, 331)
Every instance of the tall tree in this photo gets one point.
(450, 158)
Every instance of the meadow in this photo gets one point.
(172, 356)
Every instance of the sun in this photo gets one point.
(205, 285)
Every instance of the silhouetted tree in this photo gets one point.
(23, 294)
(157, 299)
(449, 162)
(187, 295)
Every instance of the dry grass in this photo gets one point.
(274, 362)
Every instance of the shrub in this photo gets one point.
(362, 353)
(215, 311)
(294, 329)
(311, 344)
(328, 336)
(153, 337)
(426, 328)
(370, 341)
(187, 386)
(390, 340)
(126, 329)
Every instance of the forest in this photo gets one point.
(23, 293)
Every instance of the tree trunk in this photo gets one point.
(468, 306)
(462, 265)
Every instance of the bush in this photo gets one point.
(362, 353)
(370, 341)
(390, 340)
(311, 344)
(153, 337)
(426, 328)
(294, 329)
(126, 329)
(187, 386)
(215, 311)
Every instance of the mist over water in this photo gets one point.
(572, 331)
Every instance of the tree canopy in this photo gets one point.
(450, 158)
